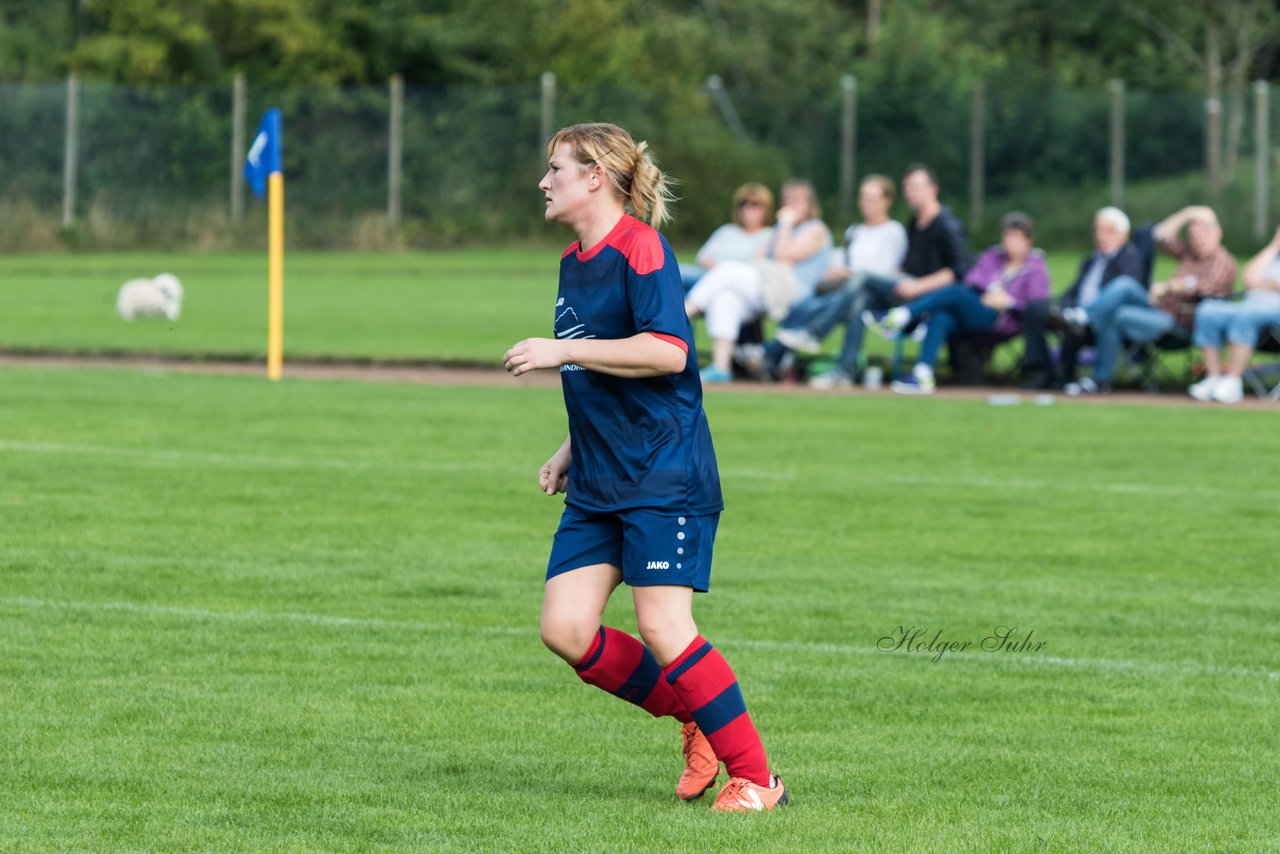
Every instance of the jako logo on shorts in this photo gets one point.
(658, 564)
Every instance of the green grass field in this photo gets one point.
(302, 617)
(462, 305)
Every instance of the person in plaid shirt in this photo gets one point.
(1124, 311)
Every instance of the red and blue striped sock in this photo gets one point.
(703, 680)
(618, 663)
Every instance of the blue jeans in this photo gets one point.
(954, 308)
(1123, 311)
(809, 314)
(822, 314)
(1219, 322)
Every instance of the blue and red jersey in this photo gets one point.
(637, 443)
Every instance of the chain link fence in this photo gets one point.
(107, 166)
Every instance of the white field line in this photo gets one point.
(1030, 659)
(175, 456)
(254, 616)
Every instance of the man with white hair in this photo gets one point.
(1113, 260)
(1126, 311)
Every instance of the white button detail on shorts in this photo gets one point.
(680, 550)
(680, 520)
(680, 536)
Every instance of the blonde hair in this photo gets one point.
(815, 209)
(752, 193)
(882, 183)
(634, 175)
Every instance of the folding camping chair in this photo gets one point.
(1265, 379)
(1154, 363)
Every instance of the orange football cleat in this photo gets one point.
(700, 764)
(742, 795)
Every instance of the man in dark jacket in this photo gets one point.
(937, 256)
(1113, 258)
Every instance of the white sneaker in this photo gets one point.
(921, 381)
(800, 340)
(1077, 315)
(750, 357)
(1086, 385)
(889, 326)
(1203, 390)
(1229, 389)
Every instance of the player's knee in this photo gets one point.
(666, 632)
(568, 636)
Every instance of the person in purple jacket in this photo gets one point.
(992, 298)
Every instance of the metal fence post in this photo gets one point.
(715, 86)
(548, 114)
(237, 148)
(70, 151)
(395, 150)
(848, 145)
(977, 154)
(1261, 157)
(1116, 88)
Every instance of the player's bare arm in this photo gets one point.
(553, 477)
(639, 356)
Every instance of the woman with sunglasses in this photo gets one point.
(742, 238)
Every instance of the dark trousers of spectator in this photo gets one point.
(874, 294)
(1036, 358)
(948, 310)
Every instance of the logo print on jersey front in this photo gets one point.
(568, 325)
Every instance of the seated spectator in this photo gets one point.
(736, 292)
(1125, 311)
(741, 239)
(1238, 324)
(1114, 258)
(937, 256)
(994, 295)
(874, 247)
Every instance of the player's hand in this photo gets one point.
(533, 354)
(553, 477)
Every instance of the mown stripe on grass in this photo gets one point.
(174, 455)
(1149, 668)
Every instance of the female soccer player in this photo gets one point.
(638, 470)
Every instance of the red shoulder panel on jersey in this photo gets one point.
(671, 339)
(639, 244)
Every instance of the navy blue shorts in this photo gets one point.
(650, 548)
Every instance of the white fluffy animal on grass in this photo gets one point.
(158, 297)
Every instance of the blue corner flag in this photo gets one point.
(265, 155)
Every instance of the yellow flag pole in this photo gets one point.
(275, 274)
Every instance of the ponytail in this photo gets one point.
(651, 195)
